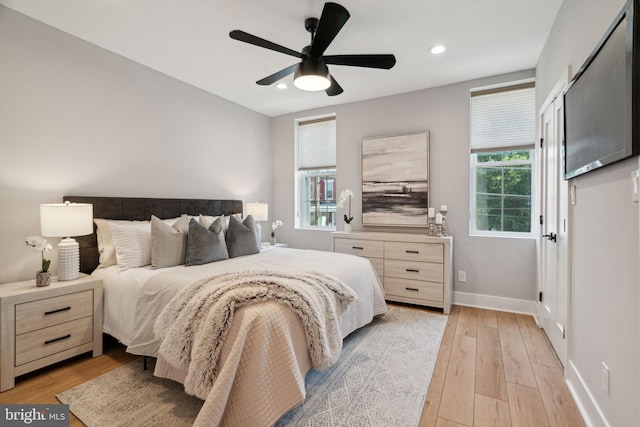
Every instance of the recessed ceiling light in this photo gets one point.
(438, 49)
(281, 86)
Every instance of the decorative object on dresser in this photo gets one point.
(43, 277)
(395, 180)
(42, 326)
(67, 220)
(344, 195)
(260, 212)
(274, 226)
(413, 268)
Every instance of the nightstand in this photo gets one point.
(267, 245)
(42, 326)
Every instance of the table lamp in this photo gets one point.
(67, 220)
(260, 212)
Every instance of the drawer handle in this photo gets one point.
(412, 270)
(357, 247)
(413, 252)
(57, 339)
(413, 289)
(46, 313)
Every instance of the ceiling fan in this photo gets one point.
(312, 73)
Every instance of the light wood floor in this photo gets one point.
(493, 369)
(497, 369)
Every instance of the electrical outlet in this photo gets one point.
(462, 276)
(604, 377)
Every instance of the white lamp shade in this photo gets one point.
(66, 219)
(259, 211)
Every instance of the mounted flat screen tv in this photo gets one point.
(601, 114)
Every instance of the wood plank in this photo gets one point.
(490, 412)
(526, 407)
(487, 318)
(432, 403)
(559, 405)
(457, 401)
(538, 346)
(467, 321)
(517, 368)
(503, 316)
(490, 377)
(452, 324)
(443, 422)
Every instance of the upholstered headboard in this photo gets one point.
(131, 208)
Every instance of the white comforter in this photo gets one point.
(260, 378)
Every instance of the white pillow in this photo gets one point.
(106, 248)
(168, 242)
(132, 243)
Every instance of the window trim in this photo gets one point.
(298, 187)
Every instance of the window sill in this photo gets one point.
(526, 236)
(311, 228)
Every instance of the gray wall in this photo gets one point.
(503, 267)
(604, 291)
(77, 119)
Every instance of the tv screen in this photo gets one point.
(598, 104)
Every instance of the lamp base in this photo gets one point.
(68, 259)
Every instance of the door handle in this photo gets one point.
(551, 236)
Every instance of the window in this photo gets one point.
(316, 173)
(502, 142)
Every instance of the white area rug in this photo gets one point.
(381, 380)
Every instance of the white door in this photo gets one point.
(553, 244)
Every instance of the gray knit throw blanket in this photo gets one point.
(194, 324)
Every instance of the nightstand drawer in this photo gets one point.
(423, 252)
(363, 248)
(54, 339)
(39, 314)
(413, 289)
(414, 270)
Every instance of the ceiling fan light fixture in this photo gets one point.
(312, 75)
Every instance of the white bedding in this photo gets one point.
(265, 358)
(132, 302)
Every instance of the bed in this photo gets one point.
(264, 358)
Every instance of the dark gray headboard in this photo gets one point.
(133, 208)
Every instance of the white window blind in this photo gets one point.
(317, 144)
(503, 118)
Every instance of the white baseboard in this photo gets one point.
(587, 405)
(496, 303)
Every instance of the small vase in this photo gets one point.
(43, 279)
(272, 240)
(347, 228)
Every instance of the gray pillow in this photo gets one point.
(241, 237)
(206, 245)
(168, 243)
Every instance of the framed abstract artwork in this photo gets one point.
(395, 180)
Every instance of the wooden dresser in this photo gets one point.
(414, 268)
(41, 326)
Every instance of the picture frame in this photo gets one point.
(395, 180)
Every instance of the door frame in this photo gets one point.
(555, 92)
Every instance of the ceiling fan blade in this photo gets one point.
(370, 61)
(277, 76)
(257, 41)
(331, 22)
(334, 89)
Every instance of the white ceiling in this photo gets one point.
(189, 41)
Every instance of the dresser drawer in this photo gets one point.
(378, 266)
(54, 339)
(364, 248)
(413, 289)
(424, 252)
(42, 313)
(414, 270)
